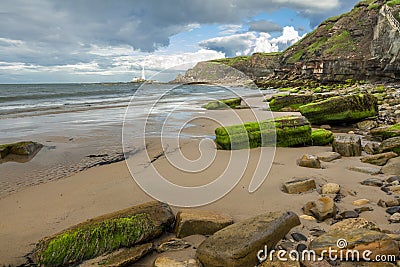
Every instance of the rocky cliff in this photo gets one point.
(363, 44)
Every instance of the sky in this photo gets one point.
(55, 41)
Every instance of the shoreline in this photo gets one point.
(42, 210)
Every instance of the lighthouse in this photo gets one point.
(143, 78)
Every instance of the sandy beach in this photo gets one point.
(48, 208)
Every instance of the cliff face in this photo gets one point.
(363, 44)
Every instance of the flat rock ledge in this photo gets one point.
(225, 247)
(200, 222)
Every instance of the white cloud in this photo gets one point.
(251, 42)
(229, 29)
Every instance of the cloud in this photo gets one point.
(251, 42)
(264, 26)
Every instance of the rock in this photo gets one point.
(325, 126)
(367, 125)
(393, 179)
(289, 131)
(299, 186)
(291, 101)
(392, 167)
(301, 247)
(321, 137)
(104, 234)
(360, 202)
(200, 222)
(25, 148)
(341, 109)
(367, 170)
(223, 104)
(388, 203)
(349, 214)
(122, 257)
(394, 189)
(390, 145)
(225, 247)
(164, 261)
(355, 239)
(393, 210)
(330, 188)
(351, 132)
(4, 151)
(328, 156)
(321, 209)
(309, 161)
(379, 159)
(321, 263)
(363, 209)
(347, 145)
(307, 217)
(371, 148)
(354, 223)
(298, 237)
(395, 218)
(387, 132)
(172, 244)
(373, 182)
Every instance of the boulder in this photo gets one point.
(122, 257)
(321, 209)
(330, 188)
(392, 167)
(347, 145)
(341, 109)
(309, 161)
(391, 144)
(172, 244)
(359, 239)
(200, 222)
(379, 159)
(273, 261)
(24, 148)
(283, 132)
(321, 137)
(373, 182)
(360, 202)
(395, 218)
(104, 234)
(226, 247)
(299, 186)
(164, 261)
(223, 104)
(387, 132)
(354, 223)
(328, 156)
(371, 148)
(348, 214)
(289, 101)
(393, 210)
(367, 125)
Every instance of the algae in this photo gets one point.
(321, 137)
(223, 104)
(282, 132)
(93, 240)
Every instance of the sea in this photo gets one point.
(81, 124)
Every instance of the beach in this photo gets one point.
(40, 210)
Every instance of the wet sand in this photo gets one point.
(45, 209)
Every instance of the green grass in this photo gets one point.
(295, 57)
(317, 45)
(393, 2)
(231, 61)
(341, 43)
(93, 240)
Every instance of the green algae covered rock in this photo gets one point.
(289, 102)
(24, 148)
(341, 109)
(387, 132)
(321, 137)
(104, 234)
(223, 104)
(284, 132)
